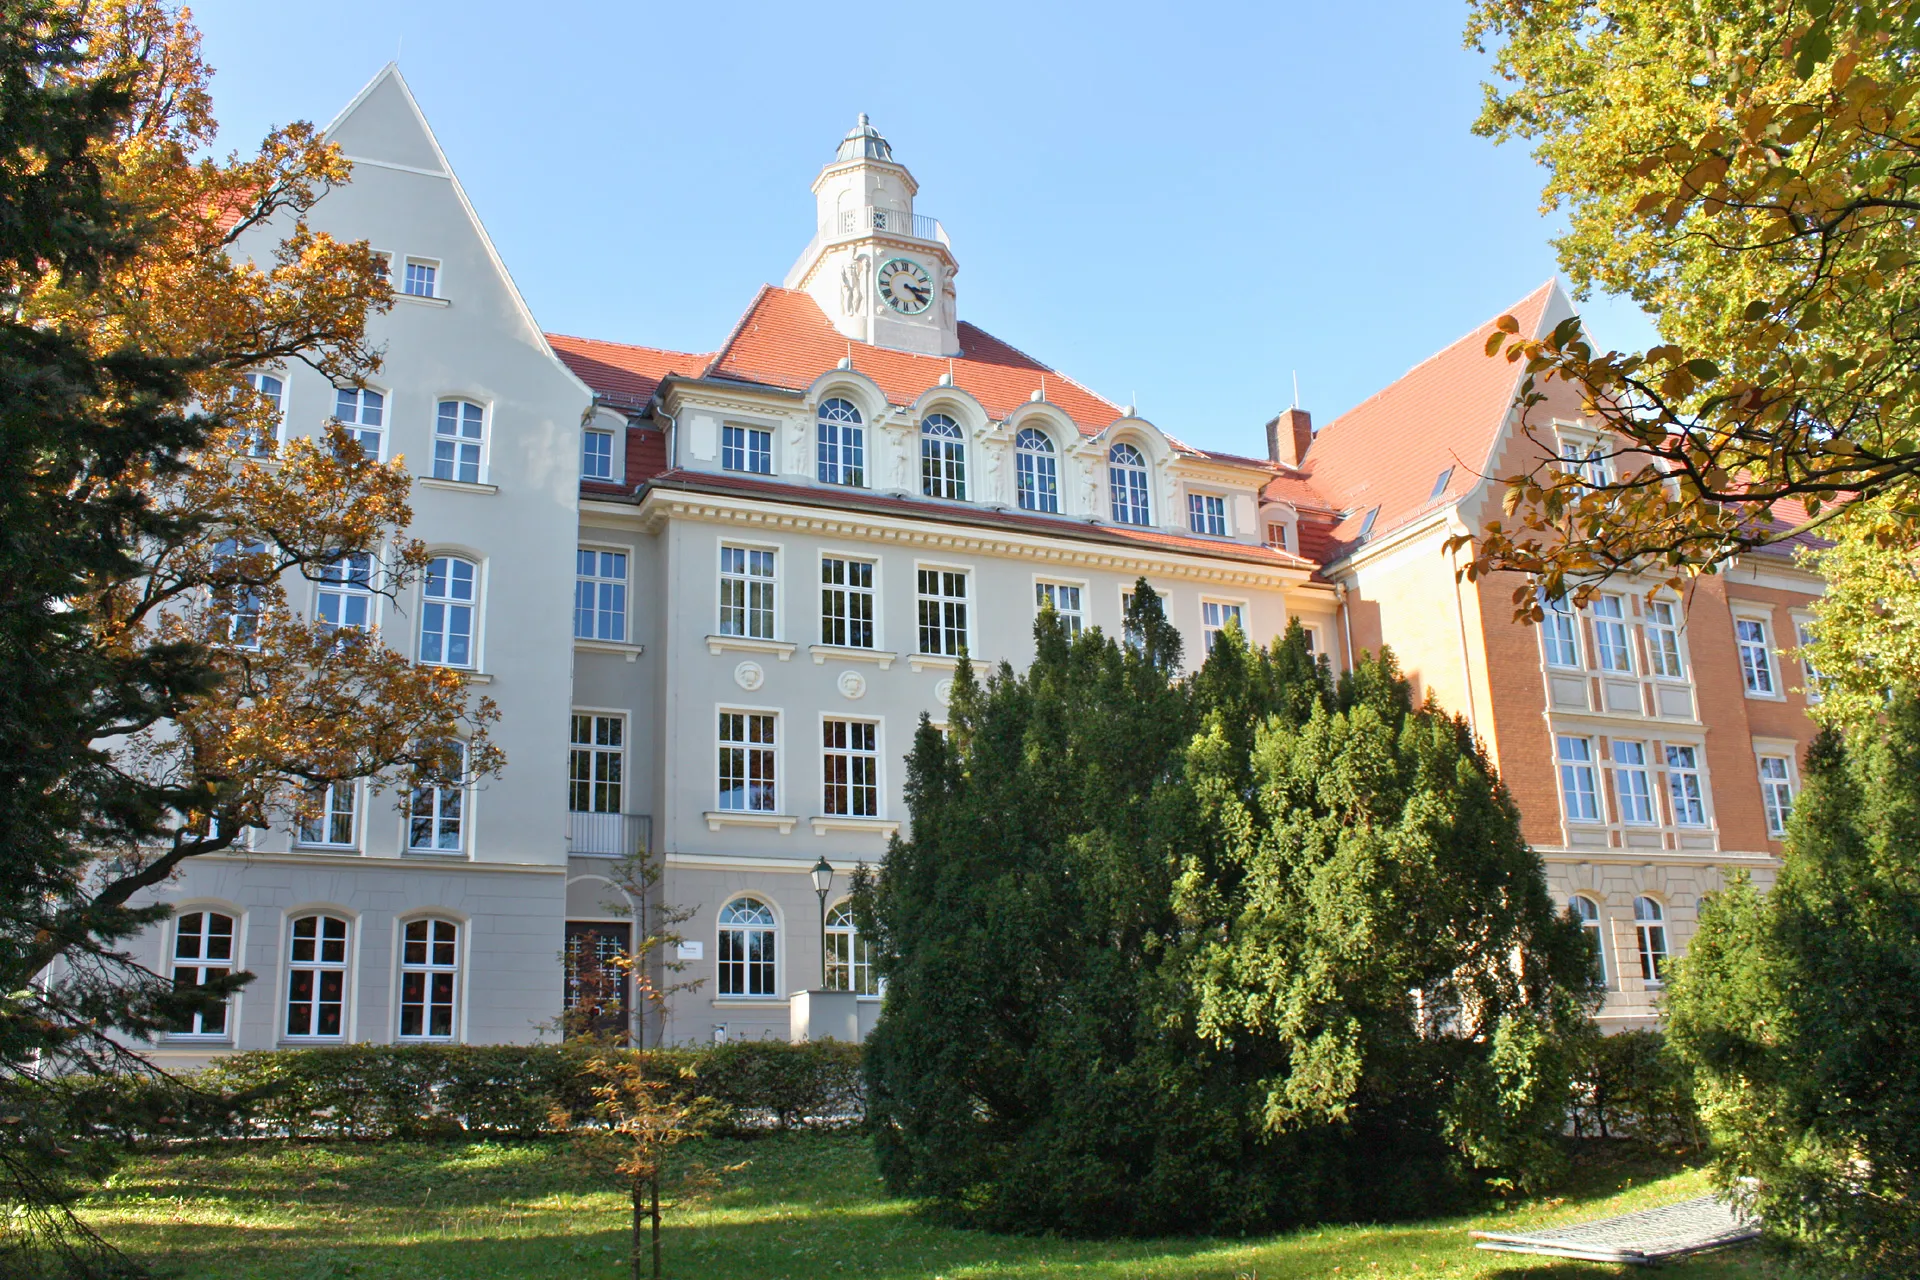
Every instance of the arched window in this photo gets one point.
(1127, 477)
(459, 436)
(1650, 922)
(747, 949)
(1036, 475)
(202, 952)
(446, 613)
(317, 977)
(429, 966)
(849, 956)
(943, 458)
(274, 392)
(1587, 912)
(842, 443)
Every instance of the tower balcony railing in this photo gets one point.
(609, 835)
(849, 223)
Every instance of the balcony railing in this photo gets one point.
(856, 222)
(612, 835)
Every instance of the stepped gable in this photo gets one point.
(785, 340)
(1447, 411)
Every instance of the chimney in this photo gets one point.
(1289, 435)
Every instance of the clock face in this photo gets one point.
(905, 286)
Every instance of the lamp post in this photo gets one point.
(823, 885)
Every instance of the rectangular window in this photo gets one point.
(1065, 599)
(1207, 514)
(846, 602)
(746, 449)
(746, 592)
(459, 435)
(363, 414)
(1803, 636)
(1595, 467)
(1689, 798)
(746, 762)
(1557, 632)
(943, 611)
(274, 391)
(1278, 538)
(344, 592)
(420, 279)
(1776, 793)
(436, 814)
(1663, 640)
(429, 963)
(1632, 787)
(850, 765)
(596, 459)
(596, 763)
(326, 816)
(1214, 617)
(1756, 660)
(1610, 634)
(1577, 791)
(600, 595)
(202, 953)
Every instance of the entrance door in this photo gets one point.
(598, 985)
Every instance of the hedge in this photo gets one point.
(1631, 1085)
(415, 1091)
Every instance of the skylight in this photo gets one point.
(1440, 485)
(1366, 526)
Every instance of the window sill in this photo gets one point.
(632, 651)
(1765, 697)
(932, 662)
(718, 644)
(718, 818)
(874, 826)
(187, 1040)
(456, 486)
(300, 846)
(419, 300)
(747, 1002)
(849, 653)
(473, 677)
(436, 855)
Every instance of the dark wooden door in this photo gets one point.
(598, 986)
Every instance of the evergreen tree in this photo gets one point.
(1799, 1011)
(1150, 943)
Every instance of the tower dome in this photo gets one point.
(863, 142)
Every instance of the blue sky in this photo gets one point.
(1179, 205)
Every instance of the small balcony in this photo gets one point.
(609, 835)
(916, 226)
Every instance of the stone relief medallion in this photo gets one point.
(749, 676)
(944, 692)
(852, 684)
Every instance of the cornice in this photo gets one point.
(679, 394)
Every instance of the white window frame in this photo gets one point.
(1633, 784)
(850, 955)
(941, 602)
(1650, 939)
(1569, 769)
(847, 593)
(587, 454)
(343, 582)
(1756, 658)
(1612, 638)
(848, 759)
(747, 454)
(327, 813)
(759, 979)
(597, 584)
(1679, 770)
(1126, 596)
(318, 965)
(1664, 625)
(758, 593)
(1130, 486)
(1312, 632)
(760, 764)
(1209, 628)
(431, 969)
(1036, 471)
(1596, 926)
(1049, 591)
(943, 457)
(1803, 637)
(204, 965)
(1779, 788)
(433, 278)
(441, 807)
(1209, 514)
(832, 464)
(463, 452)
(1559, 633)
(257, 379)
(370, 436)
(593, 752)
(447, 607)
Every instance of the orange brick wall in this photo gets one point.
(1519, 699)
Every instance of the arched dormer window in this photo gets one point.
(1127, 477)
(842, 443)
(1036, 472)
(943, 458)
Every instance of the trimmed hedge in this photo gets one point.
(1632, 1085)
(417, 1091)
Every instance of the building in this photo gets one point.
(780, 547)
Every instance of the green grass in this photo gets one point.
(804, 1207)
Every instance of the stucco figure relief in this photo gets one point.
(944, 692)
(853, 284)
(992, 458)
(903, 463)
(749, 676)
(1090, 487)
(852, 684)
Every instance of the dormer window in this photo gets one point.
(1440, 484)
(1036, 472)
(842, 443)
(1127, 478)
(943, 458)
(1207, 514)
(1366, 525)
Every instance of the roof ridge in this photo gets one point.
(630, 346)
(1068, 378)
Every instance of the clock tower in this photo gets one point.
(881, 272)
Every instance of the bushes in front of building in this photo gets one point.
(1633, 1085)
(421, 1091)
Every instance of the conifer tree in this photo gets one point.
(1799, 1011)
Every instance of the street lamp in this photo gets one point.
(823, 885)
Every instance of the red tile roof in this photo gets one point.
(1446, 411)
(785, 340)
(623, 374)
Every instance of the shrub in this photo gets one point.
(1633, 1085)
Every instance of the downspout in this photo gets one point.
(1346, 621)
(673, 438)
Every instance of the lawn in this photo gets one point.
(803, 1207)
